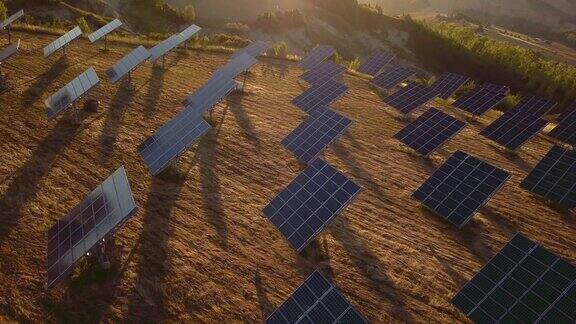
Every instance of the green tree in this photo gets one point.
(189, 13)
(83, 24)
(3, 10)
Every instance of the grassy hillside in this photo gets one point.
(198, 248)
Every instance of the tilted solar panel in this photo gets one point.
(410, 97)
(377, 61)
(316, 301)
(393, 76)
(319, 54)
(318, 97)
(210, 93)
(514, 128)
(11, 19)
(535, 106)
(310, 203)
(254, 49)
(460, 187)
(565, 131)
(94, 219)
(105, 30)
(523, 283)
(554, 178)
(127, 64)
(232, 69)
(448, 84)
(9, 50)
(71, 92)
(323, 72)
(190, 31)
(315, 134)
(482, 99)
(164, 47)
(430, 131)
(62, 41)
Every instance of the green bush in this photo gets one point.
(3, 10)
(279, 50)
(83, 24)
(236, 28)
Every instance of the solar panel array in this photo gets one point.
(523, 283)
(9, 50)
(376, 62)
(232, 69)
(482, 99)
(318, 55)
(94, 219)
(310, 202)
(209, 95)
(410, 97)
(172, 42)
(316, 301)
(460, 187)
(105, 30)
(11, 19)
(448, 84)
(565, 131)
(393, 76)
(254, 49)
(535, 106)
(554, 177)
(70, 93)
(430, 131)
(128, 63)
(187, 33)
(318, 97)
(323, 72)
(62, 41)
(315, 134)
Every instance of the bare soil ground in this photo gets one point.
(199, 248)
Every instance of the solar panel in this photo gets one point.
(430, 131)
(315, 134)
(535, 106)
(187, 33)
(554, 177)
(172, 42)
(171, 140)
(393, 76)
(323, 72)
(70, 93)
(319, 96)
(482, 99)
(565, 131)
(319, 54)
(377, 61)
(11, 19)
(316, 301)
(514, 128)
(254, 49)
(460, 187)
(107, 29)
(410, 97)
(9, 51)
(448, 84)
(211, 92)
(62, 41)
(127, 64)
(94, 219)
(310, 203)
(523, 283)
(232, 69)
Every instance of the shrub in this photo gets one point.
(189, 13)
(279, 50)
(83, 24)
(236, 27)
(3, 11)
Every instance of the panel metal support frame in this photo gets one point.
(9, 29)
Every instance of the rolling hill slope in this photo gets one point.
(199, 248)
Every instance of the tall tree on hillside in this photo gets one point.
(189, 13)
(3, 11)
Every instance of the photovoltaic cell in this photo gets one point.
(70, 93)
(11, 19)
(62, 41)
(172, 42)
(9, 50)
(187, 33)
(323, 72)
(448, 84)
(319, 54)
(318, 97)
(393, 76)
(94, 219)
(315, 134)
(127, 64)
(565, 131)
(430, 131)
(310, 203)
(209, 94)
(460, 187)
(514, 128)
(535, 106)
(316, 301)
(232, 69)
(255, 49)
(105, 30)
(523, 283)
(554, 177)
(482, 99)
(377, 61)
(410, 97)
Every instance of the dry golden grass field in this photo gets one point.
(199, 248)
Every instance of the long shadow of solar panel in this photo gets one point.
(278, 69)
(370, 267)
(513, 157)
(234, 101)
(42, 82)
(24, 182)
(154, 90)
(500, 221)
(266, 307)
(458, 279)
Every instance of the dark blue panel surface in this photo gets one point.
(374, 63)
(319, 97)
(393, 76)
(565, 131)
(323, 72)
(482, 99)
(448, 84)
(410, 97)
(317, 56)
